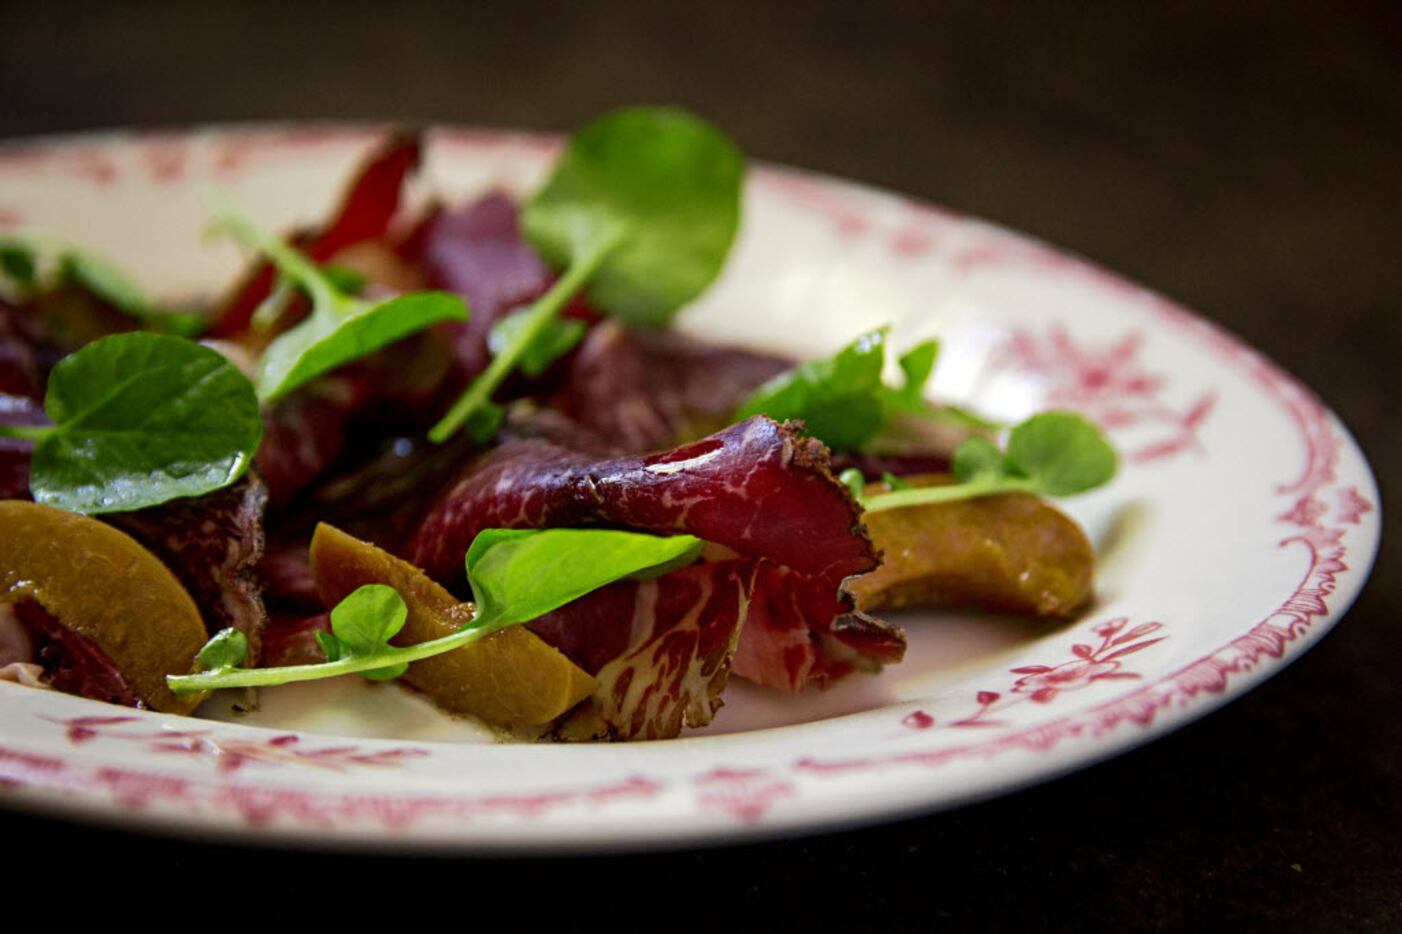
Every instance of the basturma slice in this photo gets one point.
(644, 389)
(213, 544)
(757, 488)
(660, 649)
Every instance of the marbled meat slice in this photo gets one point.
(366, 212)
(305, 432)
(212, 544)
(70, 661)
(758, 488)
(644, 389)
(22, 380)
(478, 252)
(660, 649)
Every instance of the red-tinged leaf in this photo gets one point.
(988, 697)
(1138, 632)
(1130, 649)
(1030, 669)
(1045, 695)
(1081, 650)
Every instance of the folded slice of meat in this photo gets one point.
(660, 649)
(757, 488)
(304, 433)
(15, 452)
(70, 662)
(478, 252)
(645, 389)
(212, 544)
(366, 211)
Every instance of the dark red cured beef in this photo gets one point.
(643, 390)
(758, 488)
(15, 452)
(366, 212)
(383, 500)
(72, 662)
(304, 433)
(286, 571)
(660, 650)
(290, 639)
(20, 370)
(478, 252)
(212, 544)
(22, 378)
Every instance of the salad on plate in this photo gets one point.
(457, 447)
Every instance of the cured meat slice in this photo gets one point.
(479, 253)
(15, 452)
(304, 433)
(212, 544)
(366, 211)
(660, 649)
(72, 662)
(290, 639)
(643, 390)
(757, 488)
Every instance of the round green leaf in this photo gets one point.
(665, 182)
(1062, 452)
(977, 459)
(326, 341)
(520, 574)
(141, 419)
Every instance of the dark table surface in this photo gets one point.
(1243, 158)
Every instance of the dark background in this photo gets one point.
(1243, 158)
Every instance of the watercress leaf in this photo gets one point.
(894, 482)
(19, 262)
(484, 422)
(555, 339)
(140, 419)
(365, 621)
(344, 279)
(1062, 452)
(326, 341)
(106, 280)
(977, 459)
(330, 646)
(520, 574)
(854, 480)
(845, 423)
(340, 328)
(664, 184)
(917, 364)
(837, 397)
(227, 649)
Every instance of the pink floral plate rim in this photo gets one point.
(194, 777)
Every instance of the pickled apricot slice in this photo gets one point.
(510, 678)
(1012, 552)
(102, 584)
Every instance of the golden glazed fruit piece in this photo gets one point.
(1013, 552)
(102, 584)
(510, 678)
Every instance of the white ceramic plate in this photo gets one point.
(1242, 527)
